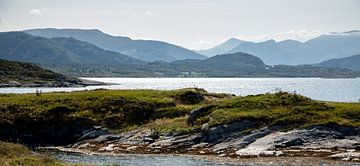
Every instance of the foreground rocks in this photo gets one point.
(233, 140)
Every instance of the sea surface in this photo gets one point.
(344, 90)
(188, 160)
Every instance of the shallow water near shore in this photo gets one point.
(343, 90)
(189, 160)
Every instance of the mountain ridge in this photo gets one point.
(352, 62)
(292, 52)
(21, 46)
(146, 50)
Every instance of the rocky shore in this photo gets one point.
(233, 140)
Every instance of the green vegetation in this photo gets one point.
(58, 118)
(27, 74)
(18, 155)
(285, 109)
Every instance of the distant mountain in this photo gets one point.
(226, 61)
(26, 74)
(352, 62)
(291, 52)
(226, 65)
(147, 50)
(222, 48)
(20, 46)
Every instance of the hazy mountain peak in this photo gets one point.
(352, 32)
(147, 50)
(231, 40)
(222, 48)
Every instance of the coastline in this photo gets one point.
(295, 160)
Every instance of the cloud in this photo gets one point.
(36, 12)
(203, 43)
(150, 13)
(300, 35)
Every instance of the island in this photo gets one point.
(185, 121)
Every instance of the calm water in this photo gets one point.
(135, 160)
(347, 90)
(174, 160)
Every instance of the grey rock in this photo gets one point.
(219, 133)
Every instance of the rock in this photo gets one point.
(350, 155)
(108, 148)
(197, 113)
(85, 145)
(200, 145)
(262, 146)
(221, 132)
(94, 132)
(205, 128)
(148, 139)
(177, 141)
(222, 155)
(294, 141)
(107, 138)
(131, 148)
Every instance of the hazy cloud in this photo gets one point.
(150, 13)
(36, 12)
(203, 43)
(300, 35)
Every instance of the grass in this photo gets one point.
(70, 113)
(60, 117)
(285, 109)
(18, 155)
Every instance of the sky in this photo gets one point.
(194, 24)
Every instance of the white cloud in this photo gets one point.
(300, 35)
(203, 43)
(36, 12)
(150, 13)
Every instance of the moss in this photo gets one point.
(15, 154)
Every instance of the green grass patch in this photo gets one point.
(16, 154)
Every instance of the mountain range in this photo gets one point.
(70, 56)
(352, 62)
(292, 52)
(20, 46)
(146, 50)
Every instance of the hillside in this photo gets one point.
(352, 62)
(147, 50)
(222, 48)
(184, 121)
(18, 74)
(227, 65)
(291, 52)
(20, 46)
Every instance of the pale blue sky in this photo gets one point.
(191, 23)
